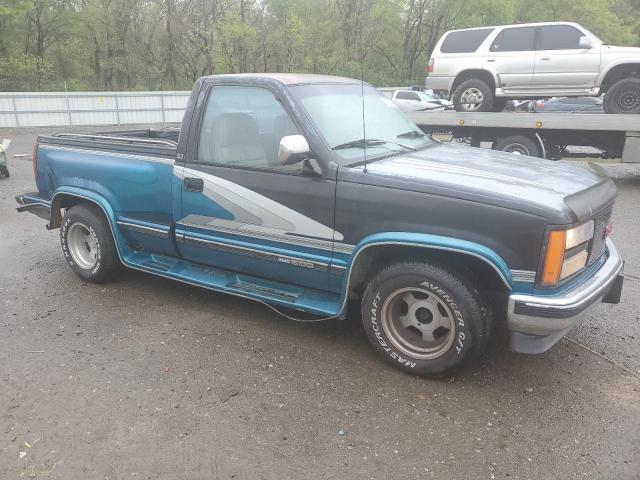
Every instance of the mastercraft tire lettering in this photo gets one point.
(423, 318)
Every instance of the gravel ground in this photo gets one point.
(147, 378)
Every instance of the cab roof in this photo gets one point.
(286, 78)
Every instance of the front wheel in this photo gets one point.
(623, 97)
(88, 245)
(424, 319)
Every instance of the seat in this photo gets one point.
(236, 141)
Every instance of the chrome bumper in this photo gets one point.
(536, 323)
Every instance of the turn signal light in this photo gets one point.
(554, 257)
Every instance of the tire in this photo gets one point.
(88, 245)
(499, 104)
(425, 319)
(518, 144)
(473, 90)
(623, 97)
(4, 171)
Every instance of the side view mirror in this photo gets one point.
(293, 149)
(585, 42)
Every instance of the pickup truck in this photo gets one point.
(278, 188)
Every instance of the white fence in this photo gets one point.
(50, 109)
(90, 108)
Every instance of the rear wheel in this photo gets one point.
(519, 145)
(4, 171)
(623, 97)
(424, 319)
(473, 96)
(88, 245)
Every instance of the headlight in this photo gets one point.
(567, 253)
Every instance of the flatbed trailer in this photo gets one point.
(544, 135)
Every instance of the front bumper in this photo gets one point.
(537, 322)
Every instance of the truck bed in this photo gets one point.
(146, 142)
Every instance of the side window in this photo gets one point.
(464, 41)
(559, 37)
(515, 40)
(242, 127)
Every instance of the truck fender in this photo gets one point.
(91, 197)
(428, 242)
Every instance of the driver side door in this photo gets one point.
(243, 211)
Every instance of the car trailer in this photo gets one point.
(544, 135)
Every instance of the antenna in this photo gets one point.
(364, 132)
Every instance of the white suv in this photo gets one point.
(482, 68)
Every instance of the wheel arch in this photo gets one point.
(69, 197)
(472, 73)
(462, 255)
(623, 69)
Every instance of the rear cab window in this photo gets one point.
(517, 39)
(464, 41)
(559, 37)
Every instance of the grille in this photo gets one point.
(599, 234)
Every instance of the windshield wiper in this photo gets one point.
(370, 142)
(412, 134)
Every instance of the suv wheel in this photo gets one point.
(424, 319)
(473, 96)
(88, 245)
(623, 97)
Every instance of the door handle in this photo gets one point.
(544, 59)
(193, 184)
(491, 60)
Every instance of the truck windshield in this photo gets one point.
(336, 110)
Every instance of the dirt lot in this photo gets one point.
(147, 378)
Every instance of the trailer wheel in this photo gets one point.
(519, 145)
(473, 96)
(623, 97)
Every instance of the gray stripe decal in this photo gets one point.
(251, 208)
(525, 276)
(246, 231)
(260, 254)
(143, 158)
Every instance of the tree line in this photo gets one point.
(77, 45)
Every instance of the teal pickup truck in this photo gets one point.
(272, 190)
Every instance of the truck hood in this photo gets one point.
(559, 191)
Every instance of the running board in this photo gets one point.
(317, 302)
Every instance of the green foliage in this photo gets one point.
(24, 73)
(167, 44)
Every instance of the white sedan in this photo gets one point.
(412, 100)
